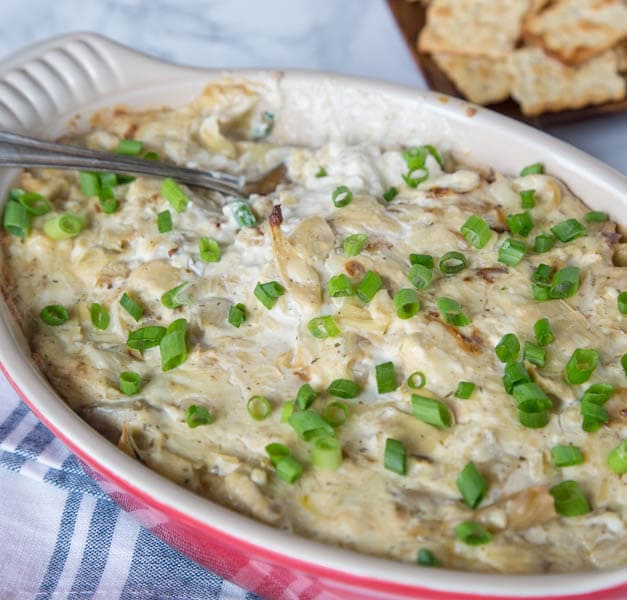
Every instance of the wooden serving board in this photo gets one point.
(411, 16)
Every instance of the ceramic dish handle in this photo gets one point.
(48, 81)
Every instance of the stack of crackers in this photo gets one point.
(548, 55)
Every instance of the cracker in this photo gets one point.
(541, 83)
(483, 27)
(481, 80)
(576, 30)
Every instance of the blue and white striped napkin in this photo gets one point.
(62, 537)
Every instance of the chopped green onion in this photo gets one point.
(107, 180)
(145, 337)
(568, 230)
(258, 407)
(176, 297)
(596, 216)
(476, 231)
(527, 198)
(406, 303)
(569, 500)
(511, 252)
(531, 398)
(542, 275)
(508, 348)
(520, 223)
(130, 383)
(209, 250)
(452, 262)
(90, 183)
(268, 293)
(129, 147)
(533, 420)
(598, 393)
(288, 469)
(368, 287)
(566, 456)
(420, 276)
(99, 316)
(326, 453)
(243, 214)
(122, 179)
(534, 354)
(426, 558)
(64, 226)
(472, 485)
(395, 456)
(386, 377)
(342, 196)
(581, 365)
(164, 221)
(593, 415)
(416, 380)
(16, 219)
(422, 259)
(35, 204)
(617, 458)
(543, 242)
(565, 283)
(276, 452)
(344, 388)
(390, 194)
(623, 363)
(287, 411)
(323, 327)
(305, 396)
(621, 302)
(107, 200)
(464, 390)
(131, 307)
(150, 156)
(451, 312)
(355, 243)
(543, 333)
(431, 411)
(340, 286)
(237, 315)
(335, 413)
(322, 172)
(534, 169)
(309, 424)
(473, 534)
(197, 415)
(54, 314)
(417, 172)
(515, 374)
(174, 194)
(173, 345)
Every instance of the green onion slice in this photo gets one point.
(623, 363)
(340, 286)
(476, 231)
(542, 275)
(237, 315)
(452, 262)
(395, 456)
(390, 194)
(173, 345)
(259, 407)
(534, 354)
(90, 183)
(471, 533)
(420, 276)
(565, 283)
(508, 348)
(145, 337)
(598, 393)
(531, 398)
(511, 252)
(451, 312)
(326, 453)
(422, 259)
(164, 221)
(209, 250)
(322, 172)
(596, 216)
(16, 219)
(568, 230)
(107, 180)
(569, 499)
(64, 226)
(527, 198)
(309, 424)
(621, 302)
(515, 374)
(276, 452)
(344, 388)
(535, 420)
(431, 411)
(129, 147)
(472, 485)
(99, 316)
(288, 469)
(107, 200)
(305, 396)
(566, 456)
(35, 204)
(416, 380)
(464, 390)
(54, 314)
(130, 383)
(520, 223)
(543, 242)
(131, 307)
(287, 411)
(197, 415)
(581, 365)
(150, 156)
(268, 293)
(342, 196)
(174, 194)
(323, 327)
(543, 333)
(176, 297)
(243, 214)
(355, 243)
(368, 287)
(336, 413)
(406, 303)
(617, 458)
(386, 377)
(534, 169)
(426, 558)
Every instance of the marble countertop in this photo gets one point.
(356, 37)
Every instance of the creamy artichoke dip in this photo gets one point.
(356, 319)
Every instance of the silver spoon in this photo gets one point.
(21, 151)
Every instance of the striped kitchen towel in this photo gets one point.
(62, 537)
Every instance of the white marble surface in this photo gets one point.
(357, 37)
